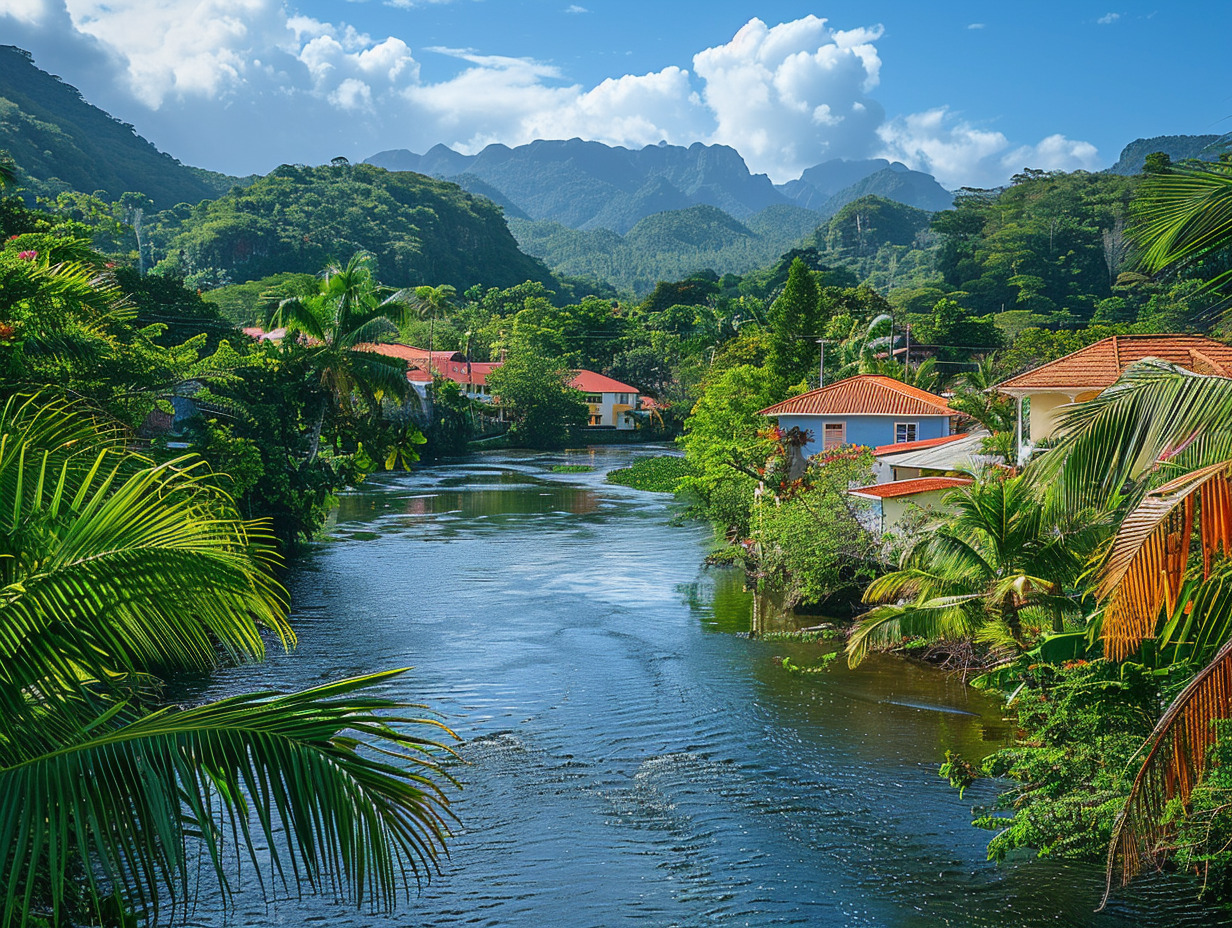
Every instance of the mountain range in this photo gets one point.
(588, 185)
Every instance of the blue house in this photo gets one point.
(866, 410)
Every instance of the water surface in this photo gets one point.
(630, 760)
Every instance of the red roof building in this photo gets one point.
(863, 395)
(893, 502)
(1084, 374)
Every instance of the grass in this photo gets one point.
(659, 474)
(571, 468)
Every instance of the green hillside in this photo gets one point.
(422, 231)
(61, 142)
(667, 245)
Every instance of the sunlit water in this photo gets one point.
(629, 758)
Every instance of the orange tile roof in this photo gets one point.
(863, 395)
(897, 488)
(1099, 365)
(590, 382)
(903, 446)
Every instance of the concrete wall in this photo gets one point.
(865, 430)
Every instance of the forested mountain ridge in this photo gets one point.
(588, 185)
(1177, 147)
(61, 142)
(667, 245)
(295, 219)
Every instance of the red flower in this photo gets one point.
(27, 255)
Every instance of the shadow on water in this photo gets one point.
(629, 758)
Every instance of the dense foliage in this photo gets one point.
(296, 219)
(658, 474)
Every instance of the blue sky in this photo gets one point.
(970, 91)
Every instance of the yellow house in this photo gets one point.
(1043, 393)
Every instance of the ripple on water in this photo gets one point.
(627, 760)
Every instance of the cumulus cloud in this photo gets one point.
(241, 85)
(792, 95)
(574, 8)
(975, 25)
(1108, 19)
(958, 153)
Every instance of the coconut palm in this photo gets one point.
(113, 569)
(1158, 445)
(350, 311)
(430, 302)
(985, 570)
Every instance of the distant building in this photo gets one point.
(867, 409)
(1043, 393)
(612, 404)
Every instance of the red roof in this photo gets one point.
(863, 395)
(255, 331)
(897, 488)
(649, 402)
(590, 382)
(1098, 366)
(904, 446)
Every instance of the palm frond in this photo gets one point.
(1176, 755)
(1182, 215)
(138, 796)
(1148, 559)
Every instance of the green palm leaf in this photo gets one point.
(138, 797)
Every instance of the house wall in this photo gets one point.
(893, 510)
(612, 408)
(865, 430)
(1045, 412)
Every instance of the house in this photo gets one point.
(612, 403)
(933, 457)
(894, 501)
(867, 409)
(1043, 393)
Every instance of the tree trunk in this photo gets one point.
(1009, 614)
(314, 442)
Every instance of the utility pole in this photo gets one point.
(907, 355)
(821, 366)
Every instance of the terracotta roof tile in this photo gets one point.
(897, 488)
(904, 446)
(1099, 365)
(864, 394)
(590, 382)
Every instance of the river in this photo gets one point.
(629, 759)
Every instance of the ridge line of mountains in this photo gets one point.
(583, 208)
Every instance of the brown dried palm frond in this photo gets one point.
(1176, 755)
(1148, 559)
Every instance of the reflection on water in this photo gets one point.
(629, 759)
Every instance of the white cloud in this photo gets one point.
(958, 153)
(789, 96)
(574, 8)
(1108, 19)
(975, 26)
(241, 85)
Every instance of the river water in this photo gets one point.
(630, 760)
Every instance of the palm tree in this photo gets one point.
(1157, 445)
(431, 302)
(114, 569)
(349, 312)
(979, 572)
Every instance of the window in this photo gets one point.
(904, 432)
(594, 398)
(834, 435)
